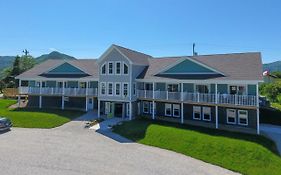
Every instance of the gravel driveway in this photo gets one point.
(73, 150)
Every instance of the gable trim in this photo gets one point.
(192, 60)
(54, 67)
(103, 56)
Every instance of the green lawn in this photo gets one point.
(244, 153)
(36, 118)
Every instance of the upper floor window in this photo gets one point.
(118, 68)
(126, 69)
(117, 88)
(237, 89)
(202, 88)
(125, 89)
(110, 68)
(173, 87)
(103, 88)
(110, 89)
(103, 69)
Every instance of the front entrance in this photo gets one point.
(90, 103)
(118, 112)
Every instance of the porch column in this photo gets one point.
(258, 109)
(98, 108)
(19, 92)
(40, 97)
(86, 94)
(181, 102)
(62, 97)
(216, 101)
(153, 102)
(86, 104)
(130, 111)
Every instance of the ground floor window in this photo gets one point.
(151, 108)
(145, 107)
(168, 109)
(176, 110)
(197, 112)
(207, 113)
(231, 116)
(108, 107)
(242, 117)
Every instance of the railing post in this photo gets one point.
(145, 93)
(236, 99)
(181, 91)
(167, 95)
(198, 95)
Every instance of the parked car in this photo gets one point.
(5, 124)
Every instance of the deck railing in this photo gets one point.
(58, 91)
(241, 100)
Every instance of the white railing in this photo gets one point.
(240, 100)
(58, 91)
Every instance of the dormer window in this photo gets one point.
(126, 69)
(110, 68)
(103, 69)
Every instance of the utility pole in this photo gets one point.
(26, 52)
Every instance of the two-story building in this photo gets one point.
(218, 91)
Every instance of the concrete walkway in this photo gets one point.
(273, 132)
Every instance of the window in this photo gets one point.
(110, 89)
(117, 88)
(103, 88)
(118, 68)
(103, 69)
(176, 110)
(108, 107)
(231, 116)
(197, 112)
(82, 84)
(126, 69)
(125, 89)
(201, 88)
(237, 89)
(207, 113)
(168, 109)
(145, 107)
(173, 87)
(134, 88)
(151, 108)
(110, 68)
(242, 117)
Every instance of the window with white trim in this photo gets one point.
(125, 89)
(202, 88)
(231, 116)
(197, 112)
(151, 108)
(125, 69)
(103, 69)
(110, 89)
(176, 110)
(145, 107)
(110, 68)
(168, 109)
(134, 88)
(118, 68)
(243, 117)
(103, 88)
(117, 88)
(172, 87)
(207, 114)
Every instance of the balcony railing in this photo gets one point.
(240, 100)
(58, 91)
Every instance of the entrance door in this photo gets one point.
(118, 110)
(90, 103)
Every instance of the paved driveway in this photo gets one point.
(273, 132)
(73, 150)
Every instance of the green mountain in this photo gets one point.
(274, 66)
(6, 61)
(54, 55)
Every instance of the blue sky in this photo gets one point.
(86, 28)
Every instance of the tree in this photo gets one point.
(276, 73)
